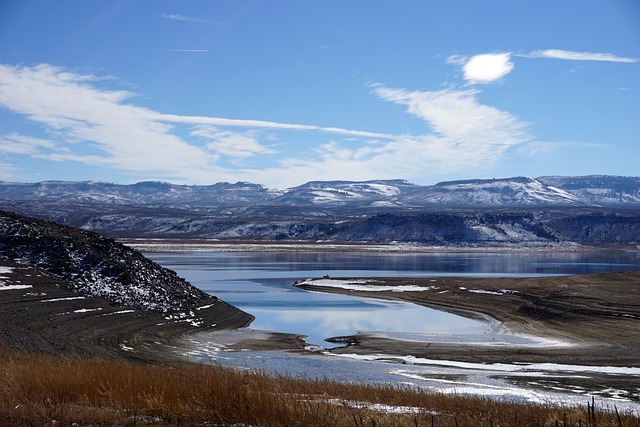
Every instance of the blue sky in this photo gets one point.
(284, 92)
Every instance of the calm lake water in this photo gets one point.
(261, 284)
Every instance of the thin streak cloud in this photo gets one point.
(578, 56)
(186, 50)
(219, 121)
(182, 18)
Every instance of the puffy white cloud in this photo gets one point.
(578, 56)
(487, 67)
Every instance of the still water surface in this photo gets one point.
(261, 284)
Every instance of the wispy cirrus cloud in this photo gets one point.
(547, 148)
(15, 143)
(186, 50)
(577, 56)
(466, 135)
(492, 67)
(477, 132)
(220, 121)
(232, 144)
(93, 125)
(182, 18)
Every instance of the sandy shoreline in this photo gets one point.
(597, 317)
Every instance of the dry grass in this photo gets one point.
(42, 390)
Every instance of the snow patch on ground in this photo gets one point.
(118, 312)
(500, 292)
(378, 407)
(86, 310)
(361, 285)
(62, 299)
(3, 287)
(497, 367)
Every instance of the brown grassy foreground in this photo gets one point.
(43, 390)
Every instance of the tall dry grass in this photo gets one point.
(42, 390)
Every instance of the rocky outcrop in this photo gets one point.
(97, 267)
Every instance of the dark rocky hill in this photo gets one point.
(457, 229)
(96, 266)
(65, 290)
(92, 265)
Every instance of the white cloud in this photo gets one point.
(97, 126)
(232, 144)
(219, 121)
(467, 136)
(21, 144)
(7, 171)
(577, 56)
(120, 135)
(548, 148)
(458, 116)
(187, 50)
(182, 18)
(486, 68)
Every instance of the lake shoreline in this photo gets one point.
(584, 333)
(600, 320)
(596, 316)
(197, 245)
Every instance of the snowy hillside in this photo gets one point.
(593, 190)
(97, 267)
(518, 191)
(600, 189)
(347, 192)
(593, 209)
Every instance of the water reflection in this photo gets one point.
(261, 284)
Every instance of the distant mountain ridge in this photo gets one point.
(593, 190)
(551, 210)
(147, 192)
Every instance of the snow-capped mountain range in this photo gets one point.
(528, 211)
(595, 190)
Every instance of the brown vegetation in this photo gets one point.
(42, 390)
